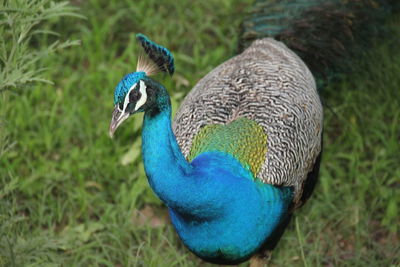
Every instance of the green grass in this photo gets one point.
(70, 196)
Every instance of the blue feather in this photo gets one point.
(123, 86)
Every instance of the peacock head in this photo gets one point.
(137, 92)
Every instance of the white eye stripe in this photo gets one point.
(126, 100)
(143, 97)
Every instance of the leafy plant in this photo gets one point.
(22, 21)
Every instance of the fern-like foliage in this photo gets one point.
(20, 22)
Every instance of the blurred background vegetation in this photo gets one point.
(71, 196)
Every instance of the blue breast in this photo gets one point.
(247, 213)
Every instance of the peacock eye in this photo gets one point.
(134, 95)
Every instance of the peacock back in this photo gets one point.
(264, 92)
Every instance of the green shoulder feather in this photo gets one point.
(242, 138)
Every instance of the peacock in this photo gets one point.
(244, 149)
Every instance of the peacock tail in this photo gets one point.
(326, 34)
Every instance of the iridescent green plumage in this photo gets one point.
(326, 34)
(242, 138)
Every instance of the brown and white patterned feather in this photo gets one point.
(270, 84)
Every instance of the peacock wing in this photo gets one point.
(270, 85)
(242, 138)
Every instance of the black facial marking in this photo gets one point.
(135, 95)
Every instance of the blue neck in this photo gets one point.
(217, 208)
(166, 167)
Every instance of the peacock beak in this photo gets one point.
(117, 119)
